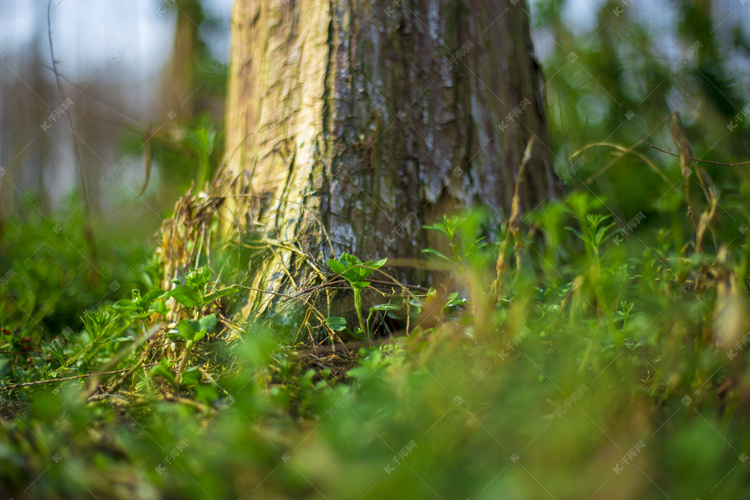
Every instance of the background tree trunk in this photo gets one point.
(350, 125)
(177, 87)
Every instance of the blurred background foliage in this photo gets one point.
(146, 125)
(633, 65)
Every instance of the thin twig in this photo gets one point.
(513, 228)
(396, 283)
(622, 154)
(350, 346)
(318, 287)
(64, 379)
(123, 354)
(702, 161)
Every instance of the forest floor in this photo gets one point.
(606, 359)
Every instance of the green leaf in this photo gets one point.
(152, 296)
(218, 294)
(338, 267)
(350, 260)
(336, 323)
(358, 334)
(354, 270)
(208, 323)
(162, 369)
(57, 352)
(600, 234)
(175, 335)
(157, 307)
(438, 227)
(576, 232)
(385, 307)
(206, 394)
(376, 264)
(125, 305)
(122, 339)
(432, 251)
(360, 285)
(191, 330)
(197, 278)
(140, 315)
(185, 296)
(454, 301)
(190, 377)
(357, 274)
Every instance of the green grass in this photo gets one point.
(613, 365)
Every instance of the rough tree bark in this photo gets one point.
(352, 124)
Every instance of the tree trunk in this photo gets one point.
(350, 125)
(177, 87)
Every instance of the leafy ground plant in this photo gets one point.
(613, 364)
(355, 272)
